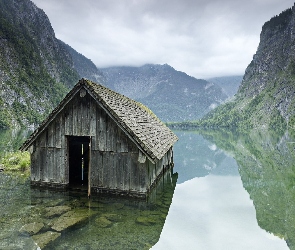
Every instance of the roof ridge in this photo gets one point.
(143, 126)
(149, 140)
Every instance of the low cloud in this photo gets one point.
(202, 38)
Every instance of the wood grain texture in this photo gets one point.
(130, 147)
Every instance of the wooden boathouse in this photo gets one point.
(100, 139)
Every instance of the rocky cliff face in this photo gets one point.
(26, 26)
(84, 66)
(266, 97)
(274, 54)
(172, 95)
(36, 69)
(271, 74)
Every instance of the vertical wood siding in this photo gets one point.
(114, 157)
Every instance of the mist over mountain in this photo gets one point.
(172, 95)
(229, 84)
(84, 66)
(266, 97)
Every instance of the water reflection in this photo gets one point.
(267, 167)
(212, 210)
(233, 192)
(196, 157)
(32, 218)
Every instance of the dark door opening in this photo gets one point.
(78, 160)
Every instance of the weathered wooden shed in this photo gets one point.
(102, 139)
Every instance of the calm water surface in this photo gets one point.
(210, 208)
(227, 192)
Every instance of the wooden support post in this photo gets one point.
(89, 169)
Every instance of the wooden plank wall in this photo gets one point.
(114, 157)
(49, 156)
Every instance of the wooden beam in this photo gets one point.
(89, 169)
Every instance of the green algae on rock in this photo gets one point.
(42, 240)
(32, 228)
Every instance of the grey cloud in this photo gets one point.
(203, 38)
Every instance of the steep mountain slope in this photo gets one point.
(84, 66)
(266, 97)
(35, 70)
(171, 94)
(134, 82)
(229, 84)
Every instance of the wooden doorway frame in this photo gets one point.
(89, 139)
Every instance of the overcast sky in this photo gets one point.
(203, 38)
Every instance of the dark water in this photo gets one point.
(232, 192)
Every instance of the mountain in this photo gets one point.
(229, 84)
(36, 69)
(84, 66)
(266, 97)
(172, 95)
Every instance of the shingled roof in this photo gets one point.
(140, 123)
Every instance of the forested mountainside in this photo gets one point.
(172, 95)
(266, 97)
(229, 84)
(36, 69)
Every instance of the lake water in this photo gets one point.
(227, 191)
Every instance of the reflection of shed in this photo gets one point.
(103, 139)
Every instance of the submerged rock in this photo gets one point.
(53, 203)
(93, 204)
(56, 211)
(32, 228)
(44, 239)
(76, 203)
(103, 222)
(147, 221)
(71, 218)
(113, 217)
(118, 205)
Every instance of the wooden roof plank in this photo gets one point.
(136, 119)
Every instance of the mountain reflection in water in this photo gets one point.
(266, 163)
(233, 192)
(214, 211)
